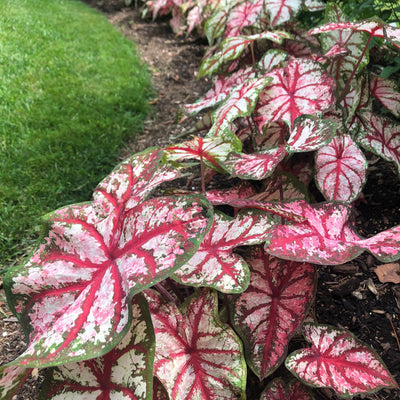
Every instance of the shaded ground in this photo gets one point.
(348, 296)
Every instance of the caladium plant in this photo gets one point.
(142, 296)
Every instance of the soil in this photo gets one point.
(348, 296)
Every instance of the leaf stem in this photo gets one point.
(343, 94)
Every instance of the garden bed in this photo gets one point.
(349, 296)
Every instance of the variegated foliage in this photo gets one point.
(73, 295)
(197, 356)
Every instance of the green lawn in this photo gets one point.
(72, 89)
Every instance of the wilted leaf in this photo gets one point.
(340, 361)
(388, 273)
(125, 372)
(272, 308)
(75, 291)
(214, 264)
(197, 356)
(341, 169)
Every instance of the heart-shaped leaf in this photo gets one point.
(124, 372)
(221, 90)
(281, 11)
(309, 134)
(214, 264)
(244, 15)
(327, 236)
(210, 150)
(381, 136)
(341, 169)
(197, 356)
(340, 361)
(272, 308)
(352, 40)
(273, 58)
(278, 390)
(302, 87)
(75, 291)
(387, 92)
(11, 379)
(240, 103)
(254, 166)
(233, 47)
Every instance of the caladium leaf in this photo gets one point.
(240, 103)
(75, 291)
(381, 136)
(341, 169)
(244, 15)
(197, 356)
(356, 42)
(233, 47)
(281, 11)
(159, 392)
(272, 308)
(254, 166)
(11, 379)
(387, 92)
(124, 372)
(327, 236)
(278, 390)
(340, 361)
(271, 59)
(210, 150)
(302, 87)
(314, 5)
(221, 90)
(310, 133)
(214, 264)
(272, 134)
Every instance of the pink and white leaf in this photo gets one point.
(240, 103)
(197, 356)
(255, 166)
(11, 379)
(381, 136)
(271, 134)
(233, 47)
(281, 11)
(124, 372)
(310, 134)
(314, 5)
(210, 150)
(272, 308)
(387, 92)
(326, 237)
(221, 90)
(215, 264)
(385, 246)
(278, 390)
(302, 87)
(75, 290)
(244, 15)
(341, 169)
(338, 360)
(273, 58)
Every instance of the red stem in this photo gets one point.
(343, 94)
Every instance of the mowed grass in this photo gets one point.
(72, 90)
